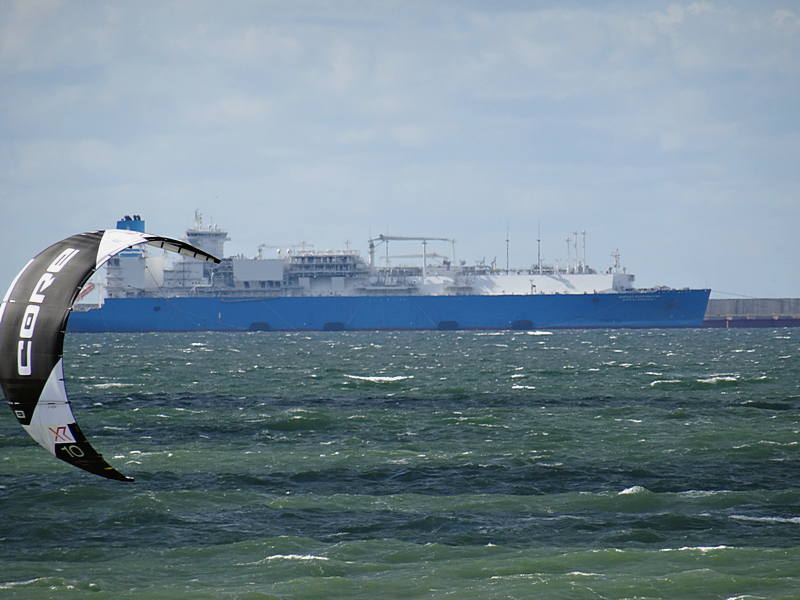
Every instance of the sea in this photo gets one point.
(574, 464)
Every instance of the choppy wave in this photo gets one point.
(792, 520)
(718, 379)
(416, 465)
(636, 489)
(300, 557)
(114, 384)
(380, 378)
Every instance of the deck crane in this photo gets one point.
(385, 239)
(428, 254)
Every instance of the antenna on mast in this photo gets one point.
(569, 250)
(539, 248)
(424, 260)
(507, 243)
(583, 233)
(575, 244)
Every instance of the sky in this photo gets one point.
(667, 130)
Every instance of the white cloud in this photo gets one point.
(787, 19)
(235, 109)
(359, 115)
(409, 135)
(19, 28)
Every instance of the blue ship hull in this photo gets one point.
(661, 308)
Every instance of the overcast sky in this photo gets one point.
(669, 130)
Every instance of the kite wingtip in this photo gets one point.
(112, 473)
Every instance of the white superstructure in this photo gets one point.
(304, 272)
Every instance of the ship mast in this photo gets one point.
(569, 250)
(507, 243)
(539, 248)
(583, 233)
(424, 260)
(576, 268)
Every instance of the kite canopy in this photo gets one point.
(33, 319)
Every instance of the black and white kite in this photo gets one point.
(33, 320)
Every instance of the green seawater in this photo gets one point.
(566, 464)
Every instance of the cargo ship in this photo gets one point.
(303, 289)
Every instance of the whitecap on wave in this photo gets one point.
(115, 384)
(380, 378)
(266, 559)
(663, 381)
(702, 549)
(718, 378)
(793, 520)
(296, 557)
